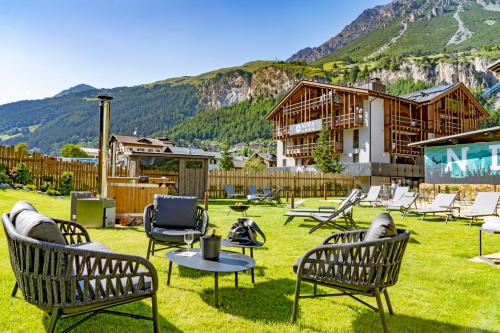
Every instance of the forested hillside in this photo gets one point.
(241, 122)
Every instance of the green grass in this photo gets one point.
(439, 290)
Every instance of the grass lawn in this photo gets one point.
(439, 290)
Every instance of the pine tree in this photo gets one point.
(322, 154)
(226, 162)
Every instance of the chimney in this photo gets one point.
(377, 85)
(102, 176)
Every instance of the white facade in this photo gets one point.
(371, 137)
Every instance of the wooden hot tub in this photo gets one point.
(132, 196)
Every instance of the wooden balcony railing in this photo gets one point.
(409, 123)
(401, 147)
(306, 149)
(448, 128)
(311, 103)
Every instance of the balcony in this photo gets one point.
(306, 149)
(401, 147)
(449, 128)
(310, 104)
(408, 123)
(353, 119)
(280, 132)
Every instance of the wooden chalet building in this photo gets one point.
(370, 128)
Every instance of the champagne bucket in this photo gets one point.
(210, 247)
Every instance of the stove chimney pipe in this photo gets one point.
(102, 173)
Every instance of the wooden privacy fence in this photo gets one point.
(44, 168)
(303, 184)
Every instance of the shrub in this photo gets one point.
(66, 183)
(45, 186)
(23, 174)
(53, 192)
(30, 187)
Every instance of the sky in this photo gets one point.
(47, 46)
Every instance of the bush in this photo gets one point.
(53, 192)
(66, 183)
(23, 174)
(30, 187)
(4, 174)
(45, 186)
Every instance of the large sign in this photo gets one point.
(474, 163)
(307, 127)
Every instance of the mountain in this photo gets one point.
(409, 44)
(412, 27)
(76, 89)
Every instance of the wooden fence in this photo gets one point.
(303, 184)
(44, 168)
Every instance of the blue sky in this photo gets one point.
(48, 46)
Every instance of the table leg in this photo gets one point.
(236, 279)
(243, 250)
(169, 272)
(216, 290)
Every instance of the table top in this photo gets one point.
(228, 243)
(226, 263)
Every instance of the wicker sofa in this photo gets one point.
(354, 265)
(59, 270)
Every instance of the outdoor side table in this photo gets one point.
(228, 243)
(491, 231)
(228, 262)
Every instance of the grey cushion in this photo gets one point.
(18, 208)
(40, 227)
(171, 235)
(382, 227)
(92, 246)
(175, 212)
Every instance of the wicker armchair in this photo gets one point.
(66, 281)
(163, 231)
(353, 267)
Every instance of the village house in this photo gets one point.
(369, 128)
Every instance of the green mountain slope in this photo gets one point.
(241, 122)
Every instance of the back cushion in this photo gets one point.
(18, 208)
(175, 211)
(382, 227)
(40, 227)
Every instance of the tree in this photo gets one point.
(22, 148)
(72, 150)
(254, 164)
(322, 154)
(226, 162)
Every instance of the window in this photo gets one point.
(284, 162)
(355, 139)
(194, 164)
(355, 158)
(150, 150)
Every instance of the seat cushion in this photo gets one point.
(40, 227)
(18, 208)
(382, 227)
(175, 211)
(92, 246)
(171, 235)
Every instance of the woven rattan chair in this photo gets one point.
(167, 226)
(69, 280)
(353, 267)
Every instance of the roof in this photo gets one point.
(189, 151)
(495, 67)
(429, 94)
(141, 140)
(482, 135)
(267, 156)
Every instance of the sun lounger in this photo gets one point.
(328, 209)
(230, 193)
(485, 204)
(403, 204)
(343, 211)
(443, 203)
(372, 196)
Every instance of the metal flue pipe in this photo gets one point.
(102, 173)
